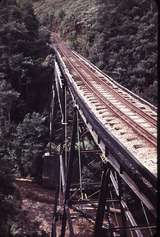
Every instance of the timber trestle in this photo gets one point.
(105, 204)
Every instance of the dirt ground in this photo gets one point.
(37, 208)
(35, 218)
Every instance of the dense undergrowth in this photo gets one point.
(25, 84)
(120, 37)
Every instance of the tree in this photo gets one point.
(8, 193)
(22, 54)
(31, 138)
(127, 40)
(29, 18)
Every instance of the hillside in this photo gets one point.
(25, 76)
(119, 37)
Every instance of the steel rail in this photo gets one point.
(91, 65)
(131, 123)
(108, 86)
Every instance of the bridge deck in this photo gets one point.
(130, 120)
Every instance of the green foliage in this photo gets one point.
(22, 53)
(25, 76)
(127, 44)
(7, 98)
(9, 198)
(61, 14)
(29, 18)
(9, 203)
(30, 141)
(120, 37)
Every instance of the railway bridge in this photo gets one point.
(123, 128)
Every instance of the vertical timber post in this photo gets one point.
(52, 108)
(64, 122)
(102, 202)
(54, 105)
(53, 233)
(53, 111)
(69, 173)
(124, 221)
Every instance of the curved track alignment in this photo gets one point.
(130, 120)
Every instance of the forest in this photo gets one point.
(120, 37)
(25, 76)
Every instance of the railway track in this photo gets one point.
(123, 126)
(129, 103)
(131, 121)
